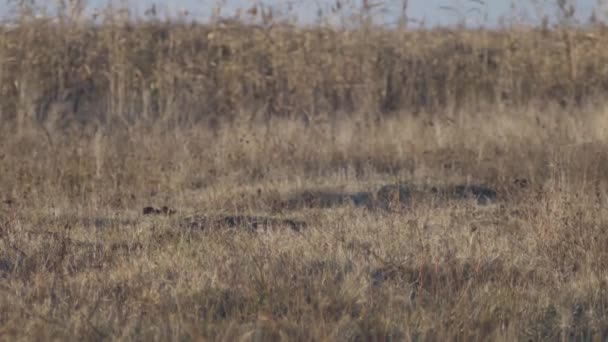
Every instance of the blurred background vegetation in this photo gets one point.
(114, 67)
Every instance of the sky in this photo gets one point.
(428, 12)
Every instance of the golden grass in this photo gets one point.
(79, 261)
(183, 73)
(162, 122)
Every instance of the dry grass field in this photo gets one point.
(230, 182)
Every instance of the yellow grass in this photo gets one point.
(233, 121)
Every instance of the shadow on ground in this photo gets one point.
(250, 223)
(388, 197)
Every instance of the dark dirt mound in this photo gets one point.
(387, 197)
(251, 223)
(318, 199)
(166, 211)
(483, 195)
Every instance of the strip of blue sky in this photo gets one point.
(431, 12)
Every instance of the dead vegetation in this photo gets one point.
(80, 258)
(302, 183)
(65, 73)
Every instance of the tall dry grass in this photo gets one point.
(127, 68)
(230, 119)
